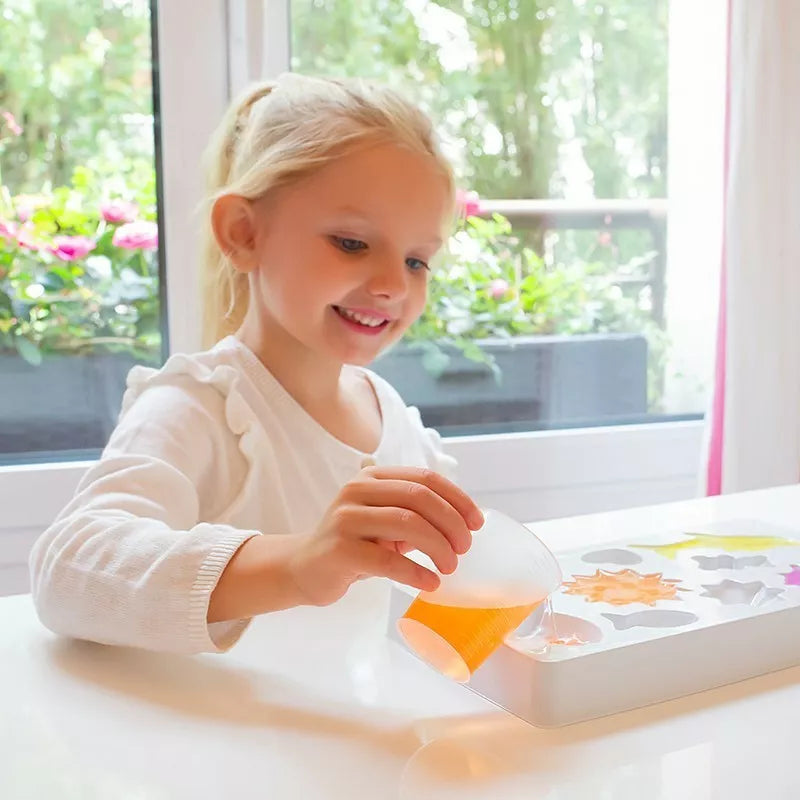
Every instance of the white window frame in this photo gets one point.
(535, 475)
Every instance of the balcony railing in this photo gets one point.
(644, 214)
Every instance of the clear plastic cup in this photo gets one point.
(505, 575)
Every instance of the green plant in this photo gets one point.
(489, 285)
(79, 270)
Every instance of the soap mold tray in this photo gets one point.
(648, 619)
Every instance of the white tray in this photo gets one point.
(735, 614)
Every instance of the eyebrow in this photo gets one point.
(352, 211)
(357, 214)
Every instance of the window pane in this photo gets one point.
(549, 308)
(80, 287)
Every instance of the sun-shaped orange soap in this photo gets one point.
(623, 587)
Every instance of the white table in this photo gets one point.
(317, 703)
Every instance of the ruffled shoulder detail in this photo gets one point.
(206, 369)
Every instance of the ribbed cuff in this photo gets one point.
(217, 637)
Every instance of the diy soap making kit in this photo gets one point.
(646, 619)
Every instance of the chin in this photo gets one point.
(364, 356)
(361, 360)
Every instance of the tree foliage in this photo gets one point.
(526, 92)
(77, 78)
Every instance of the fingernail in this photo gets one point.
(477, 520)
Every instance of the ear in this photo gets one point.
(234, 224)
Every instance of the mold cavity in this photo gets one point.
(792, 577)
(615, 556)
(623, 587)
(730, 562)
(557, 629)
(729, 592)
(651, 619)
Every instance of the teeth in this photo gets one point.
(370, 322)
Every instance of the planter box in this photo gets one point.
(67, 403)
(71, 402)
(546, 381)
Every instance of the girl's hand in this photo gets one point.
(376, 518)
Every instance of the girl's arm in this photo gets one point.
(127, 561)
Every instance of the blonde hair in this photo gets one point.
(277, 132)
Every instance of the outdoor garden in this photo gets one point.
(538, 315)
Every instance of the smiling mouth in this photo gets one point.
(364, 322)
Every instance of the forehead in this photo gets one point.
(386, 183)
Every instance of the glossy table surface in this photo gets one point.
(318, 703)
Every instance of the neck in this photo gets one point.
(313, 381)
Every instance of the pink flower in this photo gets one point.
(498, 288)
(12, 123)
(26, 204)
(141, 235)
(468, 203)
(25, 238)
(71, 248)
(8, 229)
(118, 211)
(604, 238)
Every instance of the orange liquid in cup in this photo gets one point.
(456, 640)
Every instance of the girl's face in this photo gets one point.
(341, 257)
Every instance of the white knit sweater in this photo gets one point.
(209, 451)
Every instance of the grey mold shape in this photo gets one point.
(651, 619)
(728, 592)
(730, 562)
(613, 556)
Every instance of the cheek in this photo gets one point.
(418, 298)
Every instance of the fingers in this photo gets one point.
(446, 489)
(386, 563)
(389, 524)
(423, 502)
(425, 492)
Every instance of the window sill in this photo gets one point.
(629, 462)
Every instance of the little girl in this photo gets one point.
(273, 470)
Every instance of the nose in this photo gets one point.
(388, 279)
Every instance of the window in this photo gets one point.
(81, 284)
(532, 473)
(185, 110)
(552, 307)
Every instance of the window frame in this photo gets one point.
(535, 475)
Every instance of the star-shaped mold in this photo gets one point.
(623, 587)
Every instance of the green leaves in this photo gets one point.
(28, 350)
(579, 296)
(525, 93)
(107, 300)
(75, 92)
(434, 359)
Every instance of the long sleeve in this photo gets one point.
(128, 561)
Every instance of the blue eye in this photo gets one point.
(416, 264)
(349, 245)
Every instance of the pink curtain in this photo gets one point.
(753, 435)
